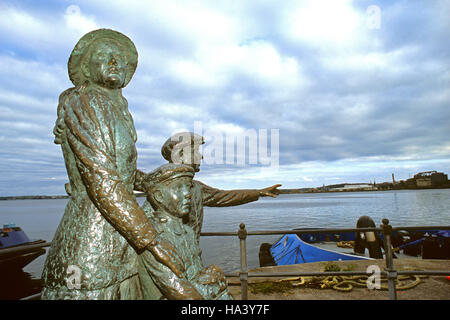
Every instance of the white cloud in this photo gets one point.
(196, 21)
(9, 101)
(24, 74)
(22, 126)
(323, 23)
(20, 24)
(384, 64)
(47, 33)
(217, 66)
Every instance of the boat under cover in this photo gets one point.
(16, 249)
(290, 249)
(323, 246)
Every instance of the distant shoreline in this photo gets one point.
(318, 190)
(282, 191)
(33, 197)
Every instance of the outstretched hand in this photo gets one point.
(165, 253)
(270, 191)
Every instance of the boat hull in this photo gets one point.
(18, 261)
(16, 249)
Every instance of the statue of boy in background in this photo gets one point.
(184, 148)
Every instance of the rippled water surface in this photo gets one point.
(40, 218)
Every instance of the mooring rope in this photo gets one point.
(347, 283)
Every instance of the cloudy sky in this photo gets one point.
(351, 91)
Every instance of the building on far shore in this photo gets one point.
(430, 179)
(354, 187)
(421, 180)
(424, 180)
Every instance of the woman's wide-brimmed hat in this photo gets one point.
(76, 74)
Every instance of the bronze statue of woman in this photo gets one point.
(94, 250)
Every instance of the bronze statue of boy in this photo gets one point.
(168, 190)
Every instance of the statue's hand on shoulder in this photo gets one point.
(270, 191)
(165, 253)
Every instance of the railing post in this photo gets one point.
(391, 272)
(243, 275)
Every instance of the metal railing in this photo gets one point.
(385, 228)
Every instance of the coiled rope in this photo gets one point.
(347, 283)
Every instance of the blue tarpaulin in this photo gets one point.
(10, 237)
(292, 250)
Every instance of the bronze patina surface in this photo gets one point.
(168, 191)
(103, 226)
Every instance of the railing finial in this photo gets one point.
(242, 233)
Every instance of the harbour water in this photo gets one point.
(40, 218)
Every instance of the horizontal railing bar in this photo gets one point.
(337, 273)
(425, 272)
(213, 234)
(301, 274)
(302, 231)
(299, 231)
(422, 228)
(255, 233)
